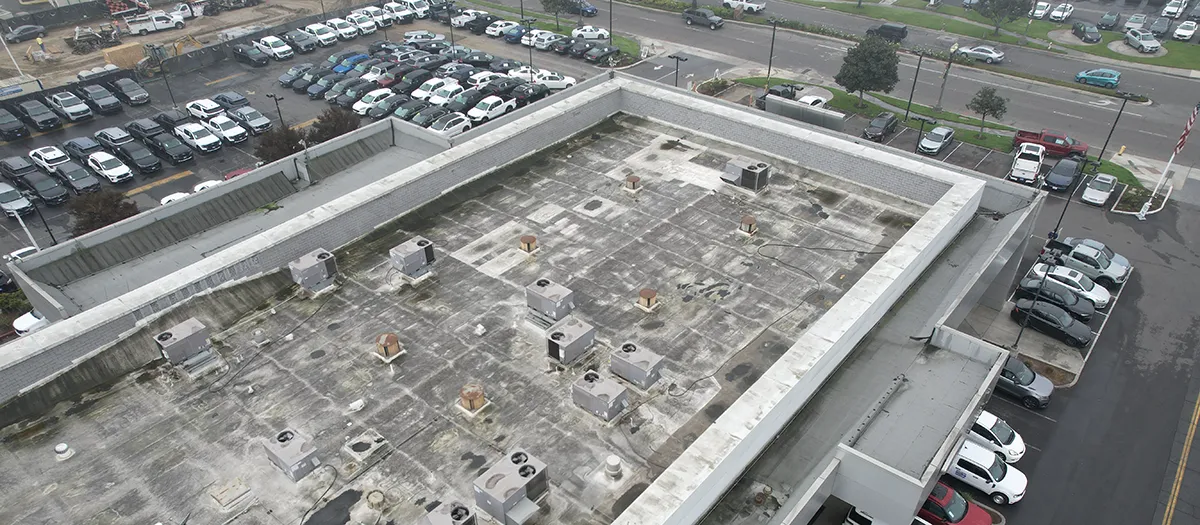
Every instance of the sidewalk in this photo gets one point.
(1150, 170)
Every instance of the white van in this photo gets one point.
(420, 7)
(985, 470)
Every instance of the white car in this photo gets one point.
(543, 43)
(443, 95)
(1027, 165)
(47, 157)
(377, 71)
(813, 100)
(1175, 8)
(491, 107)
(1077, 282)
(69, 106)
(198, 137)
(424, 91)
(553, 80)
(204, 109)
(274, 47)
(226, 128)
(994, 434)
(364, 104)
(984, 470)
(1137, 21)
(590, 33)
(29, 323)
(363, 23)
(379, 16)
(481, 79)
(1039, 10)
(467, 15)
(21, 254)
(173, 197)
(1099, 189)
(525, 72)
(344, 30)
(208, 184)
(528, 38)
(1185, 31)
(325, 36)
(450, 124)
(402, 13)
(498, 27)
(109, 167)
(419, 36)
(1062, 12)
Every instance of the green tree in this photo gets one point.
(871, 65)
(278, 143)
(333, 122)
(1001, 12)
(556, 7)
(92, 211)
(987, 103)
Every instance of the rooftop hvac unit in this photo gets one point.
(548, 302)
(292, 453)
(636, 365)
(747, 173)
(509, 490)
(315, 271)
(601, 396)
(414, 259)
(569, 339)
(453, 513)
(183, 341)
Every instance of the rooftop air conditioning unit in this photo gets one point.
(315, 271)
(510, 489)
(183, 341)
(636, 365)
(569, 339)
(601, 396)
(453, 513)
(548, 302)
(293, 453)
(414, 259)
(747, 173)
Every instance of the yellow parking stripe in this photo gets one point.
(304, 124)
(1183, 463)
(158, 182)
(219, 80)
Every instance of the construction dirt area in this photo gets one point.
(64, 65)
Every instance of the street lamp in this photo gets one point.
(1048, 257)
(323, 17)
(920, 57)
(610, 21)
(449, 8)
(678, 59)
(47, 226)
(924, 120)
(277, 99)
(945, 76)
(771, 57)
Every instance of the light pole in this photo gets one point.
(277, 99)
(771, 57)
(1048, 259)
(522, 9)
(610, 21)
(47, 226)
(323, 16)
(449, 7)
(924, 120)
(1125, 96)
(946, 76)
(920, 57)
(678, 59)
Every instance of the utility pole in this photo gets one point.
(771, 56)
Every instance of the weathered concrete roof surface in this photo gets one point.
(156, 447)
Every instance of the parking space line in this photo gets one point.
(894, 137)
(1047, 418)
(985, 156)
(222, 79)
(158, 182)
(960, 143)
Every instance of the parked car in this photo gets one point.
(250, 119)
(986, 471)
(1136, 21)
(1195, 14)
(1185, 31)
(227, 129)
(491, 107)
(47, 157)
(353, 93)
(1063, 175)
(294, 73)
(599, 33)
(499, 28)
(274, 47)
(1109, 21)
(880, 126)
(169, 147)
(1057, 294)
(29, 323)
(1142, 40)
(230, 100)
(426, 89)
(250, 55)
(1062, 12)
(76, 178)
(1106, 78)
(444, 94)
(412, 80)
(600, 54)
(936, 141)
(98, 98)
(426, 117)
(1079, 283)
(322, 87)
(362, 68)
(1161, 27)
(986, 54)
(300, 41)
(480, 24)
(1052, 321)
(581, 48)
(1174, 8)
(139, 156)
(172, 117)
(109, 167)
(112, 137)
(526, 94)
(1039, 10)
(386, 105)
(25, 32)
(198, 138)
(310, 77)
(129, 92)
(562, 46)
(704, 17)
(544, 41)
(38, 115)
(14, 168)
(1086, 32)
(13, 203)
(451, 124)
(10, 127)
(1030, 388)
(363, 23)
(1027, 164)
(465, 100)
(860, 517)
(502, 87)
(416, 37)
(408, 110)
(945, 506)
(344, 30)
(324, 36)
(204, 109)
(349, 62)
(553, 80)
(890, 31)
(1057, 143)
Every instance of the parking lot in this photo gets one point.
(255, 83)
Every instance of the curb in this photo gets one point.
(1167, 197)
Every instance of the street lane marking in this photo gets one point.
(1066, 115)
(1155, 134)
(158, 183)
(1183, 459)
(219, 80)
(744, 40)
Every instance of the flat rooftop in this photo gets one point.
(155, 446)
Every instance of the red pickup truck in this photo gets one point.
(1057, 143)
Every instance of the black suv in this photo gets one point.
(427, 116)
(411, 81)
(354, 94)
(481, 23)
(231, 100)
(143, 128)
(463, 102)
(407, 110)
(300, 41)
(704, 17)
(129, 92)
(250, 55)
(502, 87)
(478, 59)
(45, 188)
(80, 148)
(76, 178)
(294, 73)
(99, 99)
(169, 147)
(38, 115)
(13, 168)
(891, 32)
(880, 126)
(172, 117)
(10, 127)
(526, 94)
(139, 157)
(310, 77)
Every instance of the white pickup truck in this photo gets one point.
(151, 22)
(1027, 166)
(747, 7)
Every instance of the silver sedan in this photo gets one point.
(987, 54)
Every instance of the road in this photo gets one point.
(1148, 130)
